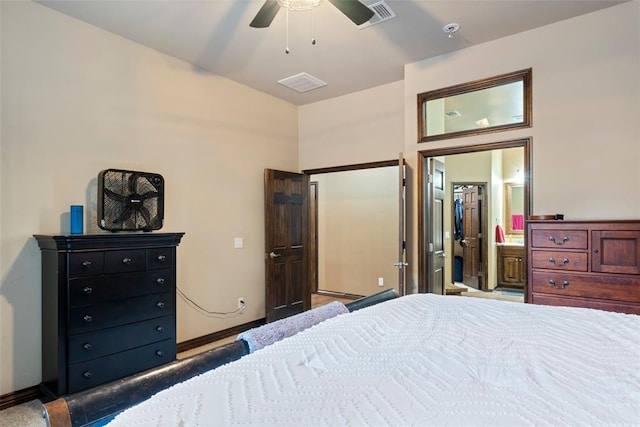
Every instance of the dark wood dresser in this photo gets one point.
(108, 307)
(593, 264)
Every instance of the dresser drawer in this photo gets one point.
(566, 239)
(556, 260)
(124, 260)
(618, 288)
(82, 264)
(101, 343)
(91, 290)
(159, 258)
(108, 368)
(621, 307)
(115, 313)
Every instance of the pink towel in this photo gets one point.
(517, 222)
(499, 234)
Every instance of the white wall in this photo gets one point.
(75, 100)
(362, 127)
(586, 102)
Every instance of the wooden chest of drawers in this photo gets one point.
(592, 264)
(108, 307)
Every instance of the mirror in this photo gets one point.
(514, 208)
(489, 105)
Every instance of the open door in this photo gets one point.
(434, 227)
(286, 204)
(402, 242)
(472, 239)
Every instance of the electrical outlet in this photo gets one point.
(380, 281)
(241, 303)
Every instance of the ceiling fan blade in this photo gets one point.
(354, 10)
(265, 15)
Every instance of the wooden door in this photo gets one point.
(286, 243)
(435, 228)
(471, 239)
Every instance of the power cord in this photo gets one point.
(203, 310)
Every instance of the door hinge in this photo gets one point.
(404, 244)
(404, 182)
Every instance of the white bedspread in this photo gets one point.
(424, 360)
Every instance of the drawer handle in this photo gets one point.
(159, 353)
(160, 328)
(565, 283)
(87, 374)
(564, 240)
(564, 261)
(160, 280)
(86, 264)
(160, 304)
(127, 261)
(87, 346)
(87, 318)
(162, 258)
(87, 290)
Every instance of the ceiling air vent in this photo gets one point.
(302, 82)
(381, 12)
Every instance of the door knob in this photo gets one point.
(274, 255)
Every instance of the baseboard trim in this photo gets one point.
(216, 336)
(19, 397)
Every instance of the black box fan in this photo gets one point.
(130, 200)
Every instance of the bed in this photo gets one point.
(423, 360)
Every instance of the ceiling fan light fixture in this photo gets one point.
(299, 5)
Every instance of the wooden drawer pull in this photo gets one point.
(86, 264)
(87, 290)
(160, 304)
(564, 240)
(87, 346)
(564, 261)
(87, 374)
(160, 328)
(162, 258)
(565, 283)
(159, 353)
(127, 261)
(87, 318)
(160, 280)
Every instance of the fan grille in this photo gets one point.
(130, 200)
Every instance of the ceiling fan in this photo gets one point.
(352, 9)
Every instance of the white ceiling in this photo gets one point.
(214, 36)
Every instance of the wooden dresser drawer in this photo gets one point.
(616, 288)
(565, 239)
(621, 307)
(125, 260)
(105, 369)
(91, 290)
(106, 315)
(560, 260)
(159, 258)
(82, 264)
(101, 343)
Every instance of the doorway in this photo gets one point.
(354, 227)
(429, 234)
